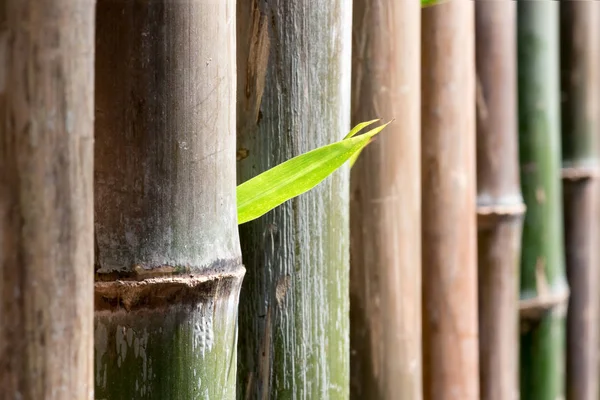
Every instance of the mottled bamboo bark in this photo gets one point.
(294, 96)
(385, 214)
(543, 285)
(579, 87)
(499, 203)
(46, 199)
(450, 332)
(168, 269)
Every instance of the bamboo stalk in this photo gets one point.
(293, 96)
(168, 258)
(579, 87)
(544, 291)
(450, 332)
(499, 202)
(385, 215)
(46, 209)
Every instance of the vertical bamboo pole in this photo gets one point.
(385, 214)
(450, 332)
(294, 95)
(579, 87)
(499, 202)
(46, 199)
(544, 291)
(168, 258)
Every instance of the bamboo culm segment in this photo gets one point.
(385, 205)
(449, 252)
(168, 260)
(579, 46)
(543, 281)
(293, 96)
(46, 199)
(499, 202)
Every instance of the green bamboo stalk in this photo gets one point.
(385, 216)
(293, 96)
(168, 266)
(500, 205)
(448, 162)
(579, 87)
(544, 290)
(46, 192)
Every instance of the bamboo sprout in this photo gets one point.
(46, 192)
(385, 272)
(544, 291)
(168, 258)
(579, 83)
(293, 96)
(499, 203)
(450, 331)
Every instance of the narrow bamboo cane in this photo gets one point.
(544, 291)
(46, 193)
(450, 331)
(499, 203)
(385, 214)
(168, 257)
(579, 87)
(293, 96)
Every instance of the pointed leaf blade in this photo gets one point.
(354, 157)
(298, 175)
(360, 127)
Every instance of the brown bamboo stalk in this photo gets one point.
(385, 217)
(293, 96)
(46, 199)
(168, 257)
(450, 332)
(579, 88)
(499, 202)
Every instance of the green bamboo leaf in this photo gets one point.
(427, 3)
(298, 175)
(360, 127)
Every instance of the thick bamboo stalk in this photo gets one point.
(46, 199)
(543, 286)
(499, 202)
(294, 96)
(450, 331)
(579, 87)
(385, 214)
(168, 257)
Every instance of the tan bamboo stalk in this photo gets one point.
(46, 199)
(168, 257)
(450, 332)
(579, 87)
(385, 214)
(294, 96)
(499, 202)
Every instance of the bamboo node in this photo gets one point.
(162, 292)
(579, 173)
(532, 309)
(493, 214)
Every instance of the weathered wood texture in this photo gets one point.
(579, 45)
(499, 203)
(543, 285)
(46, 200)
(294, 96)
(167, 259)
(449, 250)
(385, 213)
